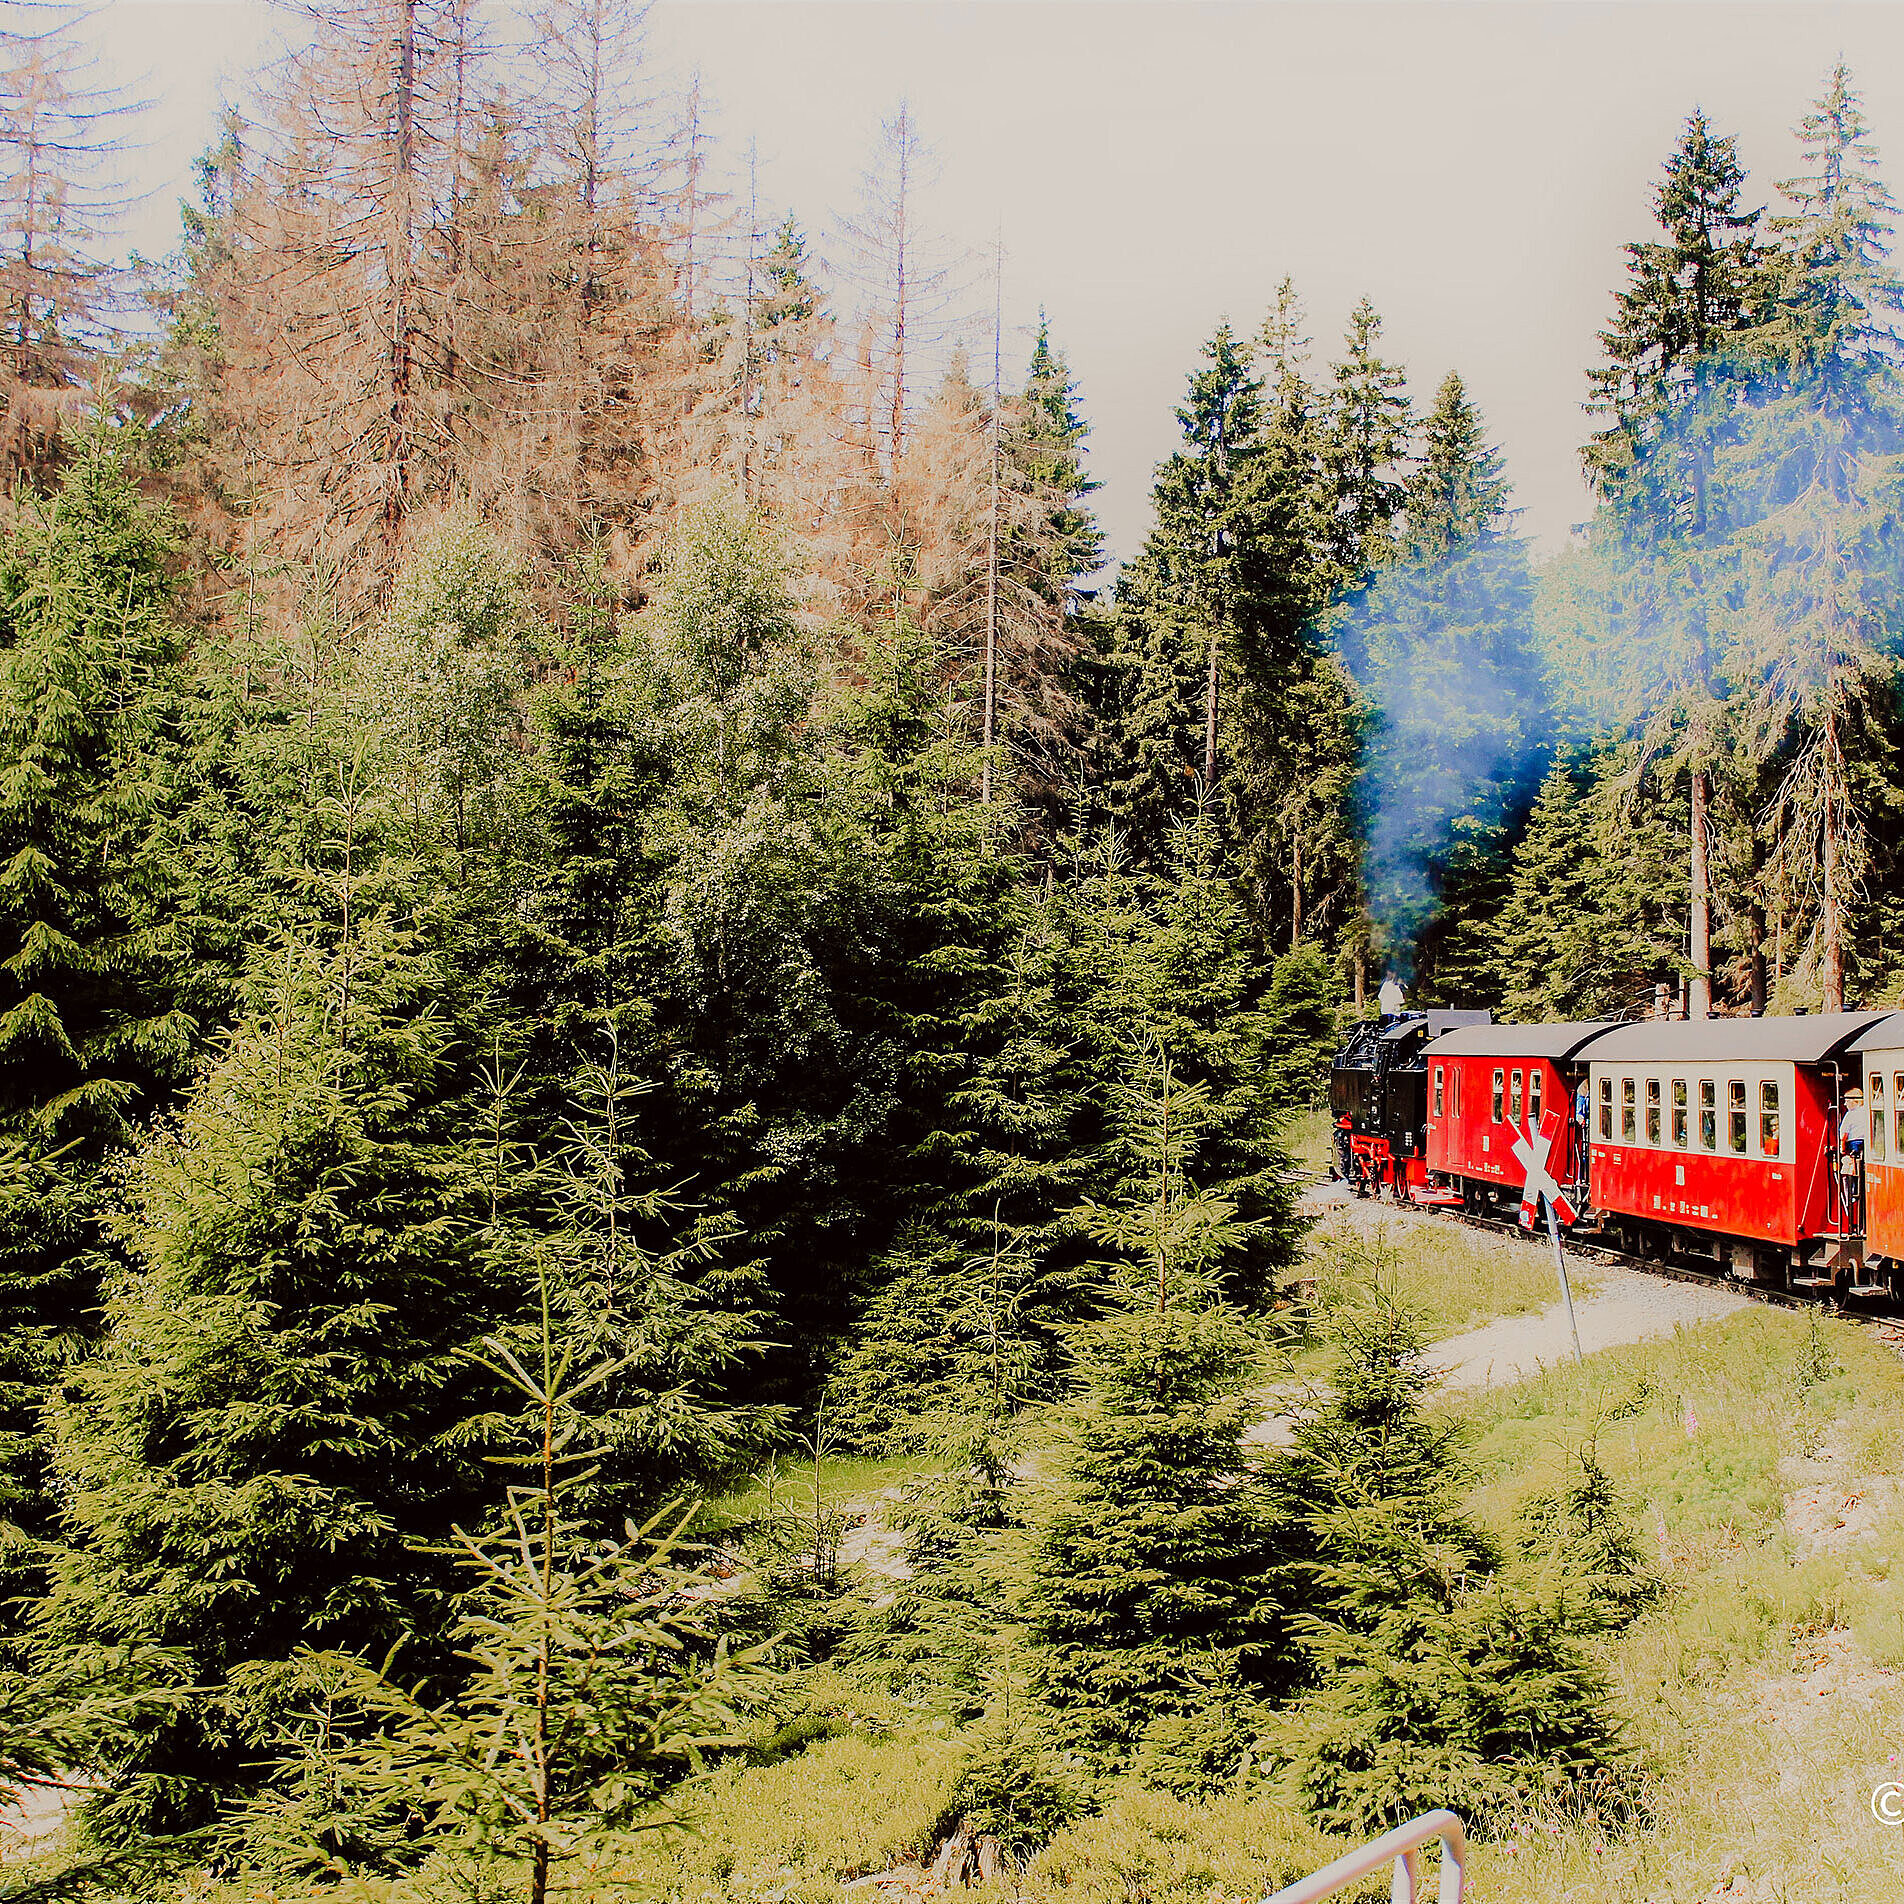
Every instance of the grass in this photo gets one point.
(1454, 1278)
(787, 1486)
(1309, 1137)
(1763, 1689)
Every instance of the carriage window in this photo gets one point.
(1629, 1114)
(1768, 1119)
(1679, 1113)
(1897, 1115)
(1437, 1090)
(1708, 1114)
(1652, 1110)
(1879, 1125)
(1514, 1097)
(1500, 1094)
(1533, 1097)
(1736, 1114)
(1606, 1108)
(1457, 1090)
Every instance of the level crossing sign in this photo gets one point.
(1531, 1151)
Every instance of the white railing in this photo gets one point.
(1403, 1845)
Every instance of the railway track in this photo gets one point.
(1868, 1310)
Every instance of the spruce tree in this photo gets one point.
(790, 297)
(266, 1445)
(106, 976)
(591, 1679)
(1834, 299)
(1812, 591)
(1689, 296)
(1167, 967)
(1367, 436)
(1436, 1676)
(596, 773)
(1048, 548)
(1179, 602)
(1458, 491)
(1044, 437)
(1150, 1601)
(1210, 662)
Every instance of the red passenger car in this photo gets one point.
(1487, 1085)
(1881, 1050)
(1727, 1128)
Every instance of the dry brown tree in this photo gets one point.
(61, 134)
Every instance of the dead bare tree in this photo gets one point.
(905, 285)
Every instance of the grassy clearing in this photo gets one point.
(787, 1487)
(1308, 1136)
(1452, 1277)
(1764, 1690)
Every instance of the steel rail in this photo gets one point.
(1401, 1845)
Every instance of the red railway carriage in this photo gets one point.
(1881, 1051)
(1488, 1084)
(1726, 1126)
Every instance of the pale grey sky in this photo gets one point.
(1475, 169)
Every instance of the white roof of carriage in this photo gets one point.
(1555, 1042)
(1886, 1035)
(1809, 1039)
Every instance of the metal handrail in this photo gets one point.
(1401, 1844)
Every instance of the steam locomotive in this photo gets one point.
(1767, 1149)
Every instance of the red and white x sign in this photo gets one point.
(1533, 1151)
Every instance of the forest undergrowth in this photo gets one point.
(1760, 1685)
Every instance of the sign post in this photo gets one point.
(1532, 1150)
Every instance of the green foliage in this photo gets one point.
(1150, 1562)
(1434, 1675)
(1299, 1029)
(104, 993)
(443, 681)
(1588, 925)
(1583, 1528)
(1018, 1789)
(270, 1423)
(594, 1681)
(1440, 641)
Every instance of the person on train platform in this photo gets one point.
(1854, 1129)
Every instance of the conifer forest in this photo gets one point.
(660, 1043)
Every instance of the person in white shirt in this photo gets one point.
(1854, 1128)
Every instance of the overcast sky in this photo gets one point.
(1474, 169)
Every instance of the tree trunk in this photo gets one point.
(1831, 924)
(902, 238)
(400, 267)
(991, 540)
(1755, 928)
(1699, 992)
(1209, 720)
(1295, 886)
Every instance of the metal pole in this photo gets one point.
(1560, 1263)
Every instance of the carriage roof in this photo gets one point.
(1808, 1039)
(1886, 1035)
(1556, 1042)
